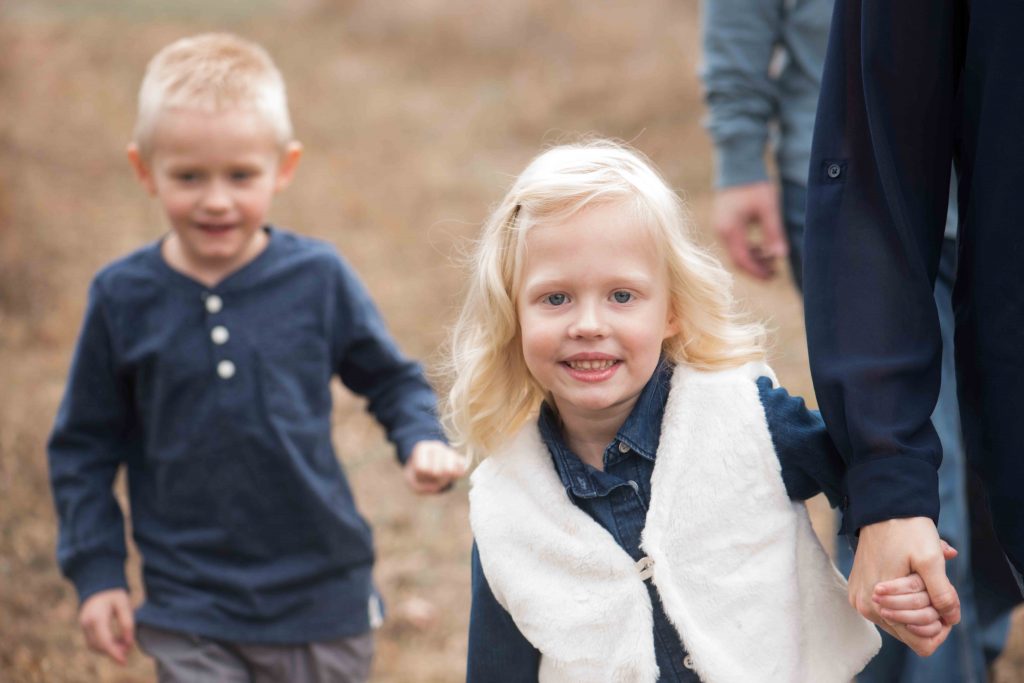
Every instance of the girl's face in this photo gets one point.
(594, 308)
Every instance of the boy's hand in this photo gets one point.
(905, 601)
(432, 466)
(108, 623)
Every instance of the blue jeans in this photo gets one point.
(961, 659)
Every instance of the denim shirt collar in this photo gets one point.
(639, 434)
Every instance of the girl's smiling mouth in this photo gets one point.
(591, 367)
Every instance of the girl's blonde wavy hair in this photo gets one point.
(493, 393)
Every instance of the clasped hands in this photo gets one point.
(899, 582)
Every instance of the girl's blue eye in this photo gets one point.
(622, 297)
(555, 299)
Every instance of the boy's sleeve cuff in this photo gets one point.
(890, 488)
(98, 574)
(739, 161)
(405, 443)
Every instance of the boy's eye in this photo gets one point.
(242, 175)
(555, 299)
(187, 176)
(622, 296)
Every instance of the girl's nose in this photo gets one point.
(588, 322)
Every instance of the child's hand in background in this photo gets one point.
(108, 623)
(905, 601)
(432, 466)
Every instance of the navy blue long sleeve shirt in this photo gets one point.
(896, 104)
(617, 498)
(217, 401)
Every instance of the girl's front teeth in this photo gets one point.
(591, 364)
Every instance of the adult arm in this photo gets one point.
(369, 363)
(86, 447)
(878, 187)
(498, 651)
(739, 38)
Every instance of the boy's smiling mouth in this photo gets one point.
(215, 227)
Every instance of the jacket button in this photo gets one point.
(688, 662)
(834, 171)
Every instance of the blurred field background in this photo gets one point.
(415, 116)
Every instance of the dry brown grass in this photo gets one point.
(414, 115)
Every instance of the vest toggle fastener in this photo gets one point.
(645, 565)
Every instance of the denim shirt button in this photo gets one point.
(623, 448)
(833, 171)
(688, 662)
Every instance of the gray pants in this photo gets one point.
(184, 658)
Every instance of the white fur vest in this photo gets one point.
(739, 570)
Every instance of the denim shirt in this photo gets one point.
(617, 499)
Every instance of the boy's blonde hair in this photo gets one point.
(212, 72)
(493, 393)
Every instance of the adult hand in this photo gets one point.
(906, 601)
(896, 548)
(749, 223)
(108, 623)
(432, 466)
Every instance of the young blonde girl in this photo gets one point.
(634, 507)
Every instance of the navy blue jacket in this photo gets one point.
(908, 88)
(217, 401)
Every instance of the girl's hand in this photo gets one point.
(905, 601)
(432, 466)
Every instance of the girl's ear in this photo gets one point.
(142, 171)
(289, 162)
(672, 324)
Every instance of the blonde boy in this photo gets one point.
(203, 367)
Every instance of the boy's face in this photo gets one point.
(594, 308)
(215, 174)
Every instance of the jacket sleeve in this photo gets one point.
(368, 361)
(878, 189)
(810, 462)
(738, 40)
(498, 651)
(88, 443)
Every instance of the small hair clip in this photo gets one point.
(514, 216)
